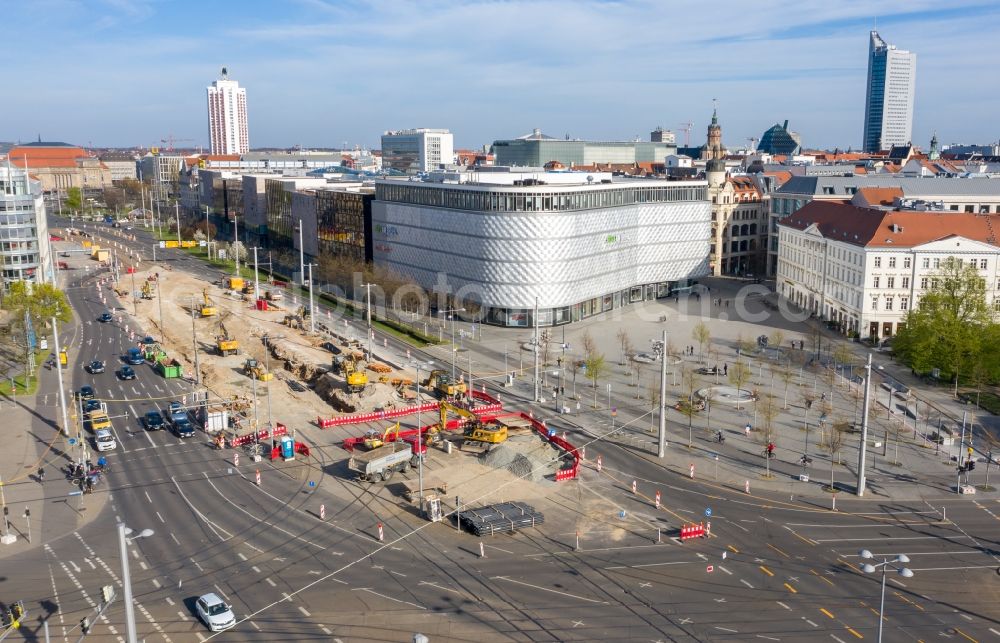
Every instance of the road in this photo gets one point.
(781, 569)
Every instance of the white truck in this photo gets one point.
(381, 463)
(214, 419)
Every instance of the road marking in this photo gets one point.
(148, 499)
(160, 517)
(733, 549)
(785, 606)
(577, 623)
(675, 562)
(74, 566)
(175, 538)
(724, 569)
(778, 550)
(157, 583)
(255, 568)
(684, 621)
(791, 589)
(719, 600)
(183, 616)
(326, 630)
(835, 638)
(809, 622)
(445, 589)
(241, 556)
(817, 575)
(826, 612)
(170, 601)
(769, 638)
(304, 611)
(270, 582)
(855, 633)
(848, 540)
(547, 589)
(766, 570)
(725, 629)
(143, 565)
(392, 598)
(994, 631)
(746, 583)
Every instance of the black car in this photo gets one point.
(92, 404)
(95, 367)
(153, 421)
(126, 373)
(105, 318)
(86, 393)
(148, 339)
(709, 370)
(182, 428)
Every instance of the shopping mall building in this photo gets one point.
(579, 243)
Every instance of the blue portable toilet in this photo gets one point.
(287, 448)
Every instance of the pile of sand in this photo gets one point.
(528, 457)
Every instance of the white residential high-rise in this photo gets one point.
(227, 116)
(24, 252)
(892, 76)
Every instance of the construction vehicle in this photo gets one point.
(153, 353)
(374, 439)
(235, 283)
(147, 290)
(208, 308)
(355, 377)
(247, 288)
(380, 464)
(225, 344)
(443, 386)
(297, 319)
(474, 431)
(169, 369)
(253, 368)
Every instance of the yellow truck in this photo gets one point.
(98, 420)
(102, 255)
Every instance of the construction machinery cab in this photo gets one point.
(224, 343)
(253, 368)
(443, 386)
(208, 308)
(147, 290)
(374, 439)
(352, 372)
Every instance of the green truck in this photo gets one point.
(153, 353)
(169, 368)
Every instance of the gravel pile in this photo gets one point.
(527, 457)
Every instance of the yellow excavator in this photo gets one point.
(147, 290)
(474, 431)
(374, 439)
(253, 368)
(353, 374)
(208, 308)
(225, 344)
(443, 386)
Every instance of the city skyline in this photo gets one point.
(323, 74)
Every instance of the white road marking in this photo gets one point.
(725, 629)
(175, 538)
(809, 622)
(74, 566)
(90, 562)
(255, 626)
(256, 569)
(271, 582)
(675, 562)
(143, 565)
(150, 500)
(783, 605)
(724, 569)
(746, 583)
(183, 616)
(546, 589)
(392, 598)
(325, 630)
(160, 517)
(170, 601)
(994, 631)
(241, 556)
(156, 583)
(882, 538)
(304, 611)
(836, 639)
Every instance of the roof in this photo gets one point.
(912, 187)
(897, 228)
(46, 144)
(877, 196)
(41, 155)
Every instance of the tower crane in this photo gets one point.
(686, 128)
(170, 140)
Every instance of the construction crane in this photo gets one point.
(170, 140)
(686, 128)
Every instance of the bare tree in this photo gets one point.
(776, 339)
(768, 409)
(702, 335)
(653, 390)
(623, 342)
(688, 406)
(589, 345)
(739, 375)
(787, 375)
(832, 444)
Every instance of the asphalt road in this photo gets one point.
(781, 569)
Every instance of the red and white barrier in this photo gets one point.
(381, 534)
(258, 477)
(657, 499)
(236, 459)
(322, 512)
(633, 486)
(691, 471)
(599, 465)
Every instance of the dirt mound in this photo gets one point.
(526, 456)
(298, 358)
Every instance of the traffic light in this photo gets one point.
(970, 465)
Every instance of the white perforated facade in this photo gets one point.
(580, 249)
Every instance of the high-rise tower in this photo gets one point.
(892, 75)
(227, 116)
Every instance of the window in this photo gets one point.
(888, 303)
(904, 303)
(875, 281)
(934, 283)
(923, 283)
(892, 263)
(982, 264)
(996, 305)
(906, 282)
(890, 282)
(937, 263)
(906, 262)
(878, 262)
(874, 303)
(927, 262)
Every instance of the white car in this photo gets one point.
(104, 439)
(215, 613)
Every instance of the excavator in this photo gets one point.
(474, 431)
(443, 386)
(253, 368)
(355, 377)
(147, 290)
(208, 308)
(374, 439)
(224, 343)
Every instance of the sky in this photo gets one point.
(325, 73)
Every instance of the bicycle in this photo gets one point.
(767, 454)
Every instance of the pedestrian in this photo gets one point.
(41, 474)
(725, 369)
(746, 430)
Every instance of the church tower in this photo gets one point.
(935, 153)
(713, 145)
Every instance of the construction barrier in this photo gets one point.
(261, 436)
(567, 473)
(692, 531)
(300, 447)
(408, 435)
(489, 404)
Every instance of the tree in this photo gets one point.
(624, 341)
(744, 347)
(702, 335)
(35, 305)
(589, 346)
(74, 199)
(776, 339)
(787, 375)
(236, 248)
(739, 374)
(653, 390)
(596, 367)
(114, 198)
(832, 444)
(947, 327)
(768, 410)
(687, 406)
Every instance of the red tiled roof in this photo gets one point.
(40, 157)
(877, 196)
(898, 228)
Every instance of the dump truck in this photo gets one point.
(208, 308)
(253, 368)
(169, 369)
(443, 386)
(225, 344)
(380, 464)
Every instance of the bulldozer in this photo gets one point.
(147, 290)
(208, 308)
(374, 439)
(253, 368)
(225, 344)
(355, 376)
(475, 432)
(443, 386)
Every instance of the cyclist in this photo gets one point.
(719, 437)
(770, 449)
(102, 462)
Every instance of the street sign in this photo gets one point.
(708, 512)
(75, 493)
(710, 569)
(71, 442)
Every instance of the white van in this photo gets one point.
(104, 440)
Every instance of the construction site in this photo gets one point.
(322, 386)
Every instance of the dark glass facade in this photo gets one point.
(343, 224)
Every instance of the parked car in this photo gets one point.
(105, 317)
(86, 393)
(709, 370)
(95, 367)
(126, 373)
(215, 613)
(153, 421)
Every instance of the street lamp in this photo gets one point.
(420, 456)
(451, 313)
(868, 568)
(123, 539)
